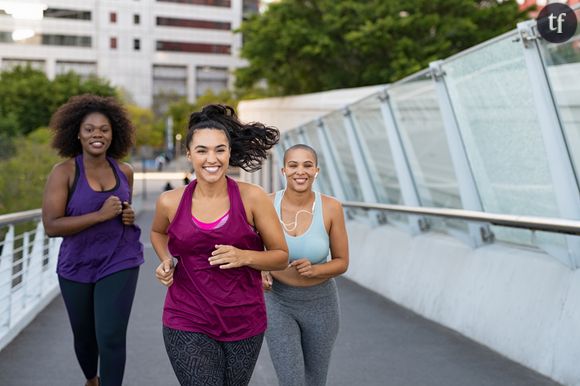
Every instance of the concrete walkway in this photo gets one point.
(379, 344)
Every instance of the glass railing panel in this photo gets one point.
(418, 118)
(338, 138)
(371, 127)
(562, 63)
(420, 124)
(293, 137)
(492, 99)
(282, 142)
(323, 179)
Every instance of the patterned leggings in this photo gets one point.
(200, 360)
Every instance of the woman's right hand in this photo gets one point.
(164, 272)
(266, 280)
(112, 207)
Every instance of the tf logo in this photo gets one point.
(557, 23)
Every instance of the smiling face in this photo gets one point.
(209, 153)
(95, 134)
(300, 169)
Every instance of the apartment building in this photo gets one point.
(152, 49)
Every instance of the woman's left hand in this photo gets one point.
(128, 214)
(304, 267)
(227, 256)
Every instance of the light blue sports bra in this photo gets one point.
(312, 244)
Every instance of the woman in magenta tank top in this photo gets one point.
(87, 201)
(222, 233)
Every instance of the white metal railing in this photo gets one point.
(28, 281)
(557, 225)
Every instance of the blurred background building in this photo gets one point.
(155, 50)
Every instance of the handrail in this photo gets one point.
(546, 224)
(18, 217)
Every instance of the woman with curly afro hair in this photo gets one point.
(87, 202)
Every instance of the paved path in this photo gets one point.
(379, 344)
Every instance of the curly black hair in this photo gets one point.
(66, 123)
(249, 142)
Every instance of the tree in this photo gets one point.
(25, 100)
(147, 132)
(69, 84)
(180, 110)
(28, 98)
(301, 46)
(22, 177)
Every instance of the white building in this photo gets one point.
(150, 48)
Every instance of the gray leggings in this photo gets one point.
(302, 328)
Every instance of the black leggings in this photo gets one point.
(99, 314)
(200, 360)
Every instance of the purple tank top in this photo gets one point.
(103, 248)
(224, 304)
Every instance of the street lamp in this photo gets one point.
(177, 145)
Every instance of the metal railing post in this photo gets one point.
(564, 180)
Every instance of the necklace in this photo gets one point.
(294, 224)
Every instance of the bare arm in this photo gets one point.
(159, 238)
(128, 215)
(159, 227)
(266, 221)
(54, 200)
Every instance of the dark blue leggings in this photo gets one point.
(99, 314)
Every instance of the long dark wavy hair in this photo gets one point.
(249, 142)
(66, 123)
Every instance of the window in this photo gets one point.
(66, 40)
(193, 47)
(8, 64)
(214, 3)
(83, 69)
(136, 44)
(169, 85)
(113, 43)
(50, 40)
(59, 13)
(113, 17)
(210, 78)
(136, 19)
(191, 23)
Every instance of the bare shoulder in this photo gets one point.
(331, 204)
(64, 170)
(170, 199)
(251, 192)
(65, 166)
(125, 167)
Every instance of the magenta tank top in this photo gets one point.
(224, 304)
(103, 248)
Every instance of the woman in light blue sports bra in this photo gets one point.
(302, 300)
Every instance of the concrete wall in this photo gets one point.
(520, 302)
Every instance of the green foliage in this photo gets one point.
(28, 98)
(181, 110)
(25, 99)
(146, 131)
(301, 46)
(7, 148)
(22, 177)
(41, 136)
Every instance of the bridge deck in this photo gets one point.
(379, 343)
